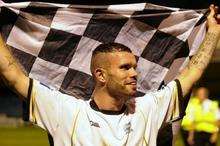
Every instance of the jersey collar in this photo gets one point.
(94, 106)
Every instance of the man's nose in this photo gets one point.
(134, 72)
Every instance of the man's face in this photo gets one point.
(121, 74)
(202, 93)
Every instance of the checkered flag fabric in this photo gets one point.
(54, 42)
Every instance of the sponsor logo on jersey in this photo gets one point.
(95, 124)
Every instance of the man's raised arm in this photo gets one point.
(11, 73)
(200, 61)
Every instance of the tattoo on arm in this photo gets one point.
(6, 62)
(203, 57)
(11, 61)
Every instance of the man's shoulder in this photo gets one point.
(43, 87)
(146, 99)
(70, 99)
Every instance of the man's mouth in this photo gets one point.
(133, 83)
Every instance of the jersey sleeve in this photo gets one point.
(169, 101)
(45, 106)
(166, 104)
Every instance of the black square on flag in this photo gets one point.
(162, 49)
(79, 84)
(26, 60)
(105, 27)
(59, 47)
(151, 17)
(9, 18)
(184, 51)
(39, 13)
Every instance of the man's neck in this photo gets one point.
(106, 102)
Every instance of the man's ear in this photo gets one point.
(100, 75)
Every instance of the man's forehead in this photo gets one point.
(121, 53)
(107, 59)
(121, 57)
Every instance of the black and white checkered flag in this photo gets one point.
(54, 42)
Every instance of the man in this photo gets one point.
(203, 116)
(106, 119)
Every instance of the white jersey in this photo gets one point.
(74, 122)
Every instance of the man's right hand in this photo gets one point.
(11, 72)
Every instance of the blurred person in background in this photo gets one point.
(201, 120)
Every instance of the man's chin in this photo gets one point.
(133, 93)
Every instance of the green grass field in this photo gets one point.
(23, 136)
(32, 136)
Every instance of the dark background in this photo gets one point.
(191, 4)
(9, 103)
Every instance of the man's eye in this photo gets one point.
(126, 67)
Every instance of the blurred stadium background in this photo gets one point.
(15, 132)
